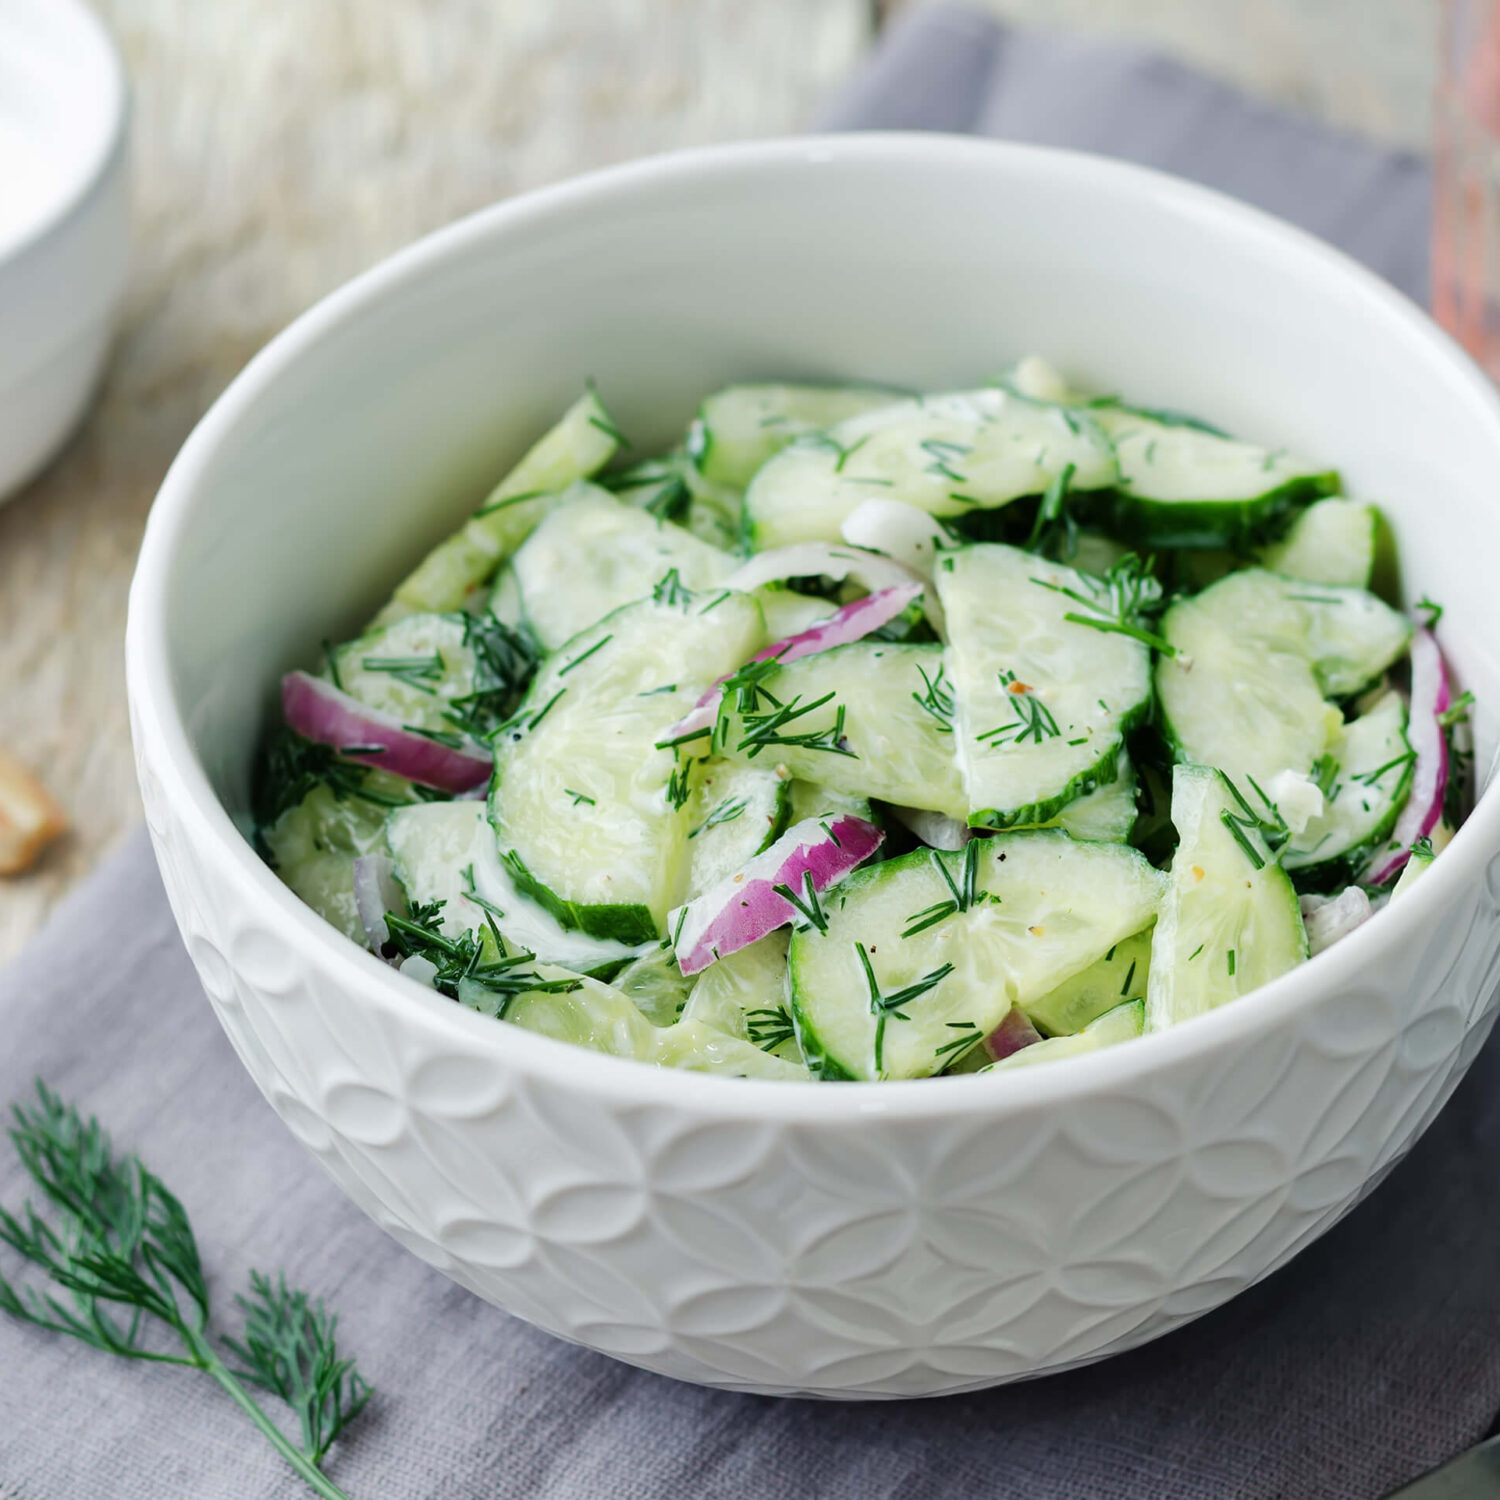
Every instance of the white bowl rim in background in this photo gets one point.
(186, 785)
(108, 123)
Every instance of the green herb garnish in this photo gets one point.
(118, 1247)
(1125, 601)
(1033, 719)
(808, 904)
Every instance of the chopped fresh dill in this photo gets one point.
(418, 672)
(963, 894)
(678, 788)
(942, 453)
(487, 907)
(666, 687)
(936, 700)
(1422, 847)
(1054, 533)
(1434, 612)
(504, 663)
(293, 767)
(1196, 951)
(884, 1006)
(545, 709)
(715, 602)
(657, 486)
(1370, 778)
(808, 903)
(579, 797)
(769, 1028)
(491, 506)
(1458, 711)
(1129, 975)
(763, 730)
(672, 591)
(1324, 775)
(845, 454)
(1033, 719)
(969, 1035)
(1124, 601)
(726, 812)
(1230, 956)
(583, 656)
(331, 661)
(448, 737)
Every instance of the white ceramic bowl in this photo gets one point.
(853, 1240)
(64, 223)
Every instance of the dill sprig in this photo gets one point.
(1054, 533)
(1124, 601)
(883, 1007)
(505, 661)
(963, 894)
(679, 788)
(808, 904)
(1454, 721)
(293, 767)
(766, 729)
(671, 590)
(769, 1028)
(936, 700)
(726, 812)
(418, 672)
(1270, 827)
(968, 1035)
(118, 1247)
(1033, 719)
(657, 486)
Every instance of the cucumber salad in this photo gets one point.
(872, 735)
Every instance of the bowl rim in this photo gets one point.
(185, 787)
(105, 156)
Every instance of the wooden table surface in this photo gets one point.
(280, 146)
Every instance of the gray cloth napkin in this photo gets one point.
(1373, 1356)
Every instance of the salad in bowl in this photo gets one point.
(869, 734)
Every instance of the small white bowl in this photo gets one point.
(854, 1240)
(64, 223)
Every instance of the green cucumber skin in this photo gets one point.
(1238, 525)
(820, 1063)
(1329, 875)
(627, 922)
(1103, 772)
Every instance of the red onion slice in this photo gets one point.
(936, 830)
(851, 623)
(1431, 695)
(317, 710)
(1329, 918)
(745, 907)
(1013, 1033)
(376, 893)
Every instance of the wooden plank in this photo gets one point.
(279, 148)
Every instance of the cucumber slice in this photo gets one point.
(1415, 868)
(578, 447)
(1037, 908)
(1352, 636)
(1105, 985)
(1121, 1024)
(1183, 486)
(596, 1015)
(1370, 786)
(313, 847)
(1332, 541)
(742, 426)
(655, 985)
(590, 554)
(1230, 922)
(789, 613)
(424, 667)
(948, 455)
(744, 995)
(810, 800)
(446, 851)
(851, 719)
(590, 813)
(1106, 815)
(734, 813)
(1043, 701)
(1257, 654)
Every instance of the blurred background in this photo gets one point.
(281, 146)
